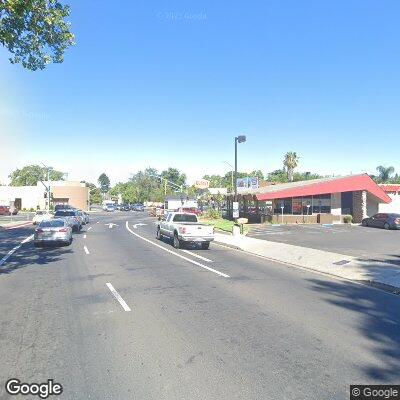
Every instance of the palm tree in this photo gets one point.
(384, 173)
(290, 162)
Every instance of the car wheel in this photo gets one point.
(177, 242)
(386, 226)
(158, 235)
(365, 223)
(205, 245)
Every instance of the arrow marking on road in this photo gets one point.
(86, 250)
(110, 225)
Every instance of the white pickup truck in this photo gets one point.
(185, 228)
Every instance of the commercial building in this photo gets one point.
(325, 200)
(393, 191)
(75, 194)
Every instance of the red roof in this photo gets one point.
(389, 187)
(323, 186)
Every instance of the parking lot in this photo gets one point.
(358, 241)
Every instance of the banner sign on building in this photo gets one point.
(202, 184)
(247, 183)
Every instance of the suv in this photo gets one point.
(71, 217)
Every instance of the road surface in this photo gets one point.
(120, 315)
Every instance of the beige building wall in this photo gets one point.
(75, 196)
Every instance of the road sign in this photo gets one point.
(235, 207)
(202, 184)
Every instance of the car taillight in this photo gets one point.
(397, 221)
(63, 230)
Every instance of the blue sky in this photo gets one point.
(171, 83)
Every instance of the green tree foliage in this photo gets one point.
(384, 173)
(30, 175)
(174, 175)
(35, 32)
(280, 176)
(104, 182)
(95, 193)
(127, 190)
(290, 162)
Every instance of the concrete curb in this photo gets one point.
(381, 285)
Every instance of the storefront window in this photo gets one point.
(297, 205)
(287, 206)
(307, 204)
(322, 204)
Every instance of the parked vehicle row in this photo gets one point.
(5, 210)
(123, 207)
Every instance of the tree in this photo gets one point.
(257, 174)
(30, 175)
(384, 173)
(175, 176)
(95, 193)
(35, 31)
(104, 183)
(290, 162)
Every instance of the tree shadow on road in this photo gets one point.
(28, 255)
(380, 322)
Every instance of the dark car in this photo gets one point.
(138, 207)
(126, 207)
(383, 220)
(71, 217)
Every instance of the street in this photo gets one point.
(120, 315)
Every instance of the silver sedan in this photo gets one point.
(54, 231)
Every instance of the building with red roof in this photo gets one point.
(324, 200)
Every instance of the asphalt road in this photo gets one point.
(352, 240)
(267, 331)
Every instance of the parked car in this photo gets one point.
(82, 217)
(191, 210)
(138, 207)
(185, 228)
(71, 217)
(85, 217)
(110, 208)
(383, 220)
(53, 231)
(63, 207)
(126, 207)
(41, 215)
(5, 210)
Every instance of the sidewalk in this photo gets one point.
(348, 267)
(14, 225)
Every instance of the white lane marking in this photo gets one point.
(14, 249)
(84, 236)
(198, 256)
(118, 297)
(177, 254)
(110, 225)
(89, 229)
(97, 222)
(86, 250)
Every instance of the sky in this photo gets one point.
(171, 83)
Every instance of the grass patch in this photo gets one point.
(221, 224)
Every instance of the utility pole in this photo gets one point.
(238, 139)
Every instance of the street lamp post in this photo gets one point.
(48, 185)
(238, 139)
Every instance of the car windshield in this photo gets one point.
(53, 223)
(185, 218)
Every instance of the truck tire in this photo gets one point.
(205, 245)
(177, 242)
(158, 234)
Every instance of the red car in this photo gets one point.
(191, 210)
(5, 210)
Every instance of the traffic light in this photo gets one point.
(45, 195)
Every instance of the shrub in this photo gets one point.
(212, 214)
(347, 219)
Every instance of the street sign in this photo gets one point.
(202, 184)
(235, 207)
